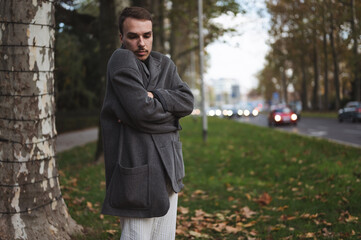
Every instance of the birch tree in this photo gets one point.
(31, 204)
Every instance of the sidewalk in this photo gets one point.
(69, 140)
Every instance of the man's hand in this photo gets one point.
(150, 95)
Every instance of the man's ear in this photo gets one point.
(121, 37)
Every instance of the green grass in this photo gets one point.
(245, 182)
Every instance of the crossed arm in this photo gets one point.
(144, 110)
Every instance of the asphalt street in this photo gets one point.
(69, 140)
(347, 133)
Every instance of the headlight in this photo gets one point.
(218, 112)
(246, 113)
(240, 112)
(293, 117)
(255, 112)
(196, 111)
(211, 113)
(277, 118)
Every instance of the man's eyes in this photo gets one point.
(147, 35)
(133, 36)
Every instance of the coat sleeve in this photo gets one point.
(145, 113)
(178, 99)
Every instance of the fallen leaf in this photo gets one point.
(183, 210)
(112, 232)
(310, 235)
(230, 199)
(351, 219)
(284, 217)
(199, 235)
(247, 212)
(264, 199)
(230, 229)
(219, 227)
(282, 208)
(250, 224)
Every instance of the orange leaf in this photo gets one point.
(248, 196)
(112, 232)
(250, 224)
(264, 199)
(310, 235)
(183, 210)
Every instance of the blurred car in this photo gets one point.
(214, 112)
(351, 111)
(282, 115)
(232, 112)
(247, 110)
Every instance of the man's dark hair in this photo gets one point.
(133, 12)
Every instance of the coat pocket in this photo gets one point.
(129, 188)
(178, 160)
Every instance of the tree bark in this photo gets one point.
(315, 105)
(31, 204)
(356, 69)
(326, 103)
(108, 43)
(335, 63)
(158, 26)
(304, 83)
(284, 85)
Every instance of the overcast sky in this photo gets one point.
(242, 56)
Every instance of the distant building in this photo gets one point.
(225, 90)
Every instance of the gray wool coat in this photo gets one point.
(142, 149)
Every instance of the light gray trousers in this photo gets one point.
(158, 228)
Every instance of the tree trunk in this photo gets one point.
(158, 25)
(326, 103)
(356, 69)
(147, 4)
(304, 83)
(108, 43)
(284, 86)
(31, 204)
(335, 63)
(315, 105)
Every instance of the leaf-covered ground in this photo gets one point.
(246, 182)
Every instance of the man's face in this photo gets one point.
(137, 37)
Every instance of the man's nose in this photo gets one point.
(141, 42)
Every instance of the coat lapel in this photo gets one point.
(154, 69)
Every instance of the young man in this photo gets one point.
(145, 98)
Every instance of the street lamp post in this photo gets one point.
(201, 55)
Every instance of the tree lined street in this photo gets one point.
(345, 133)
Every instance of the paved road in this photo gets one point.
(69, 140)
(346, 133)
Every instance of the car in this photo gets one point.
(351, 111)
(281, 116)
(231, 112)
(213, 111)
